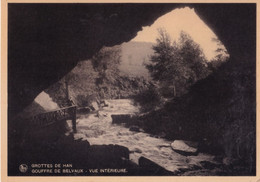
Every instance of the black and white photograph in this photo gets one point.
(131, 89)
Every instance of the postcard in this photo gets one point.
(95, 91)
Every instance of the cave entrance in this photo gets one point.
(156, 67)
(139, 95)
(119, 85)
(122, 71)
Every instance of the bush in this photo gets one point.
(86, 100)
(149, 99)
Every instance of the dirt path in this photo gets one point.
(100, 130)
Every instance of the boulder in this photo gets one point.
(121, 118)
(135, 128)
(104, 103)
(107, 156)
(94, 106)
(152, 168)
(136, 150)
(185, 147)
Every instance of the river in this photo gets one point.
(99, 130)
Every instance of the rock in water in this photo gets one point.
(121, 118)
(151, 167)
(136, 150)
(104, 103)
(94, 106)
(185, 147)
(134, 128)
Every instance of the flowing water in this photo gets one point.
(99, 130)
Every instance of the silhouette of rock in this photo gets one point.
(185, 147)
(107, 156)
(137, 150)
(135, 128)
(121, 118)
(152, 168)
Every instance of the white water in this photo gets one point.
(100, 130)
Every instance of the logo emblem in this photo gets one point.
(23, 168)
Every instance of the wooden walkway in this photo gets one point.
(51, 117)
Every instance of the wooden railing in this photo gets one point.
(51, 117)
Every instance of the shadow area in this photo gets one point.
(66, 156)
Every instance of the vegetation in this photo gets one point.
(220, 57)
(106, 63)
(190, 98)
(149, 98)
(219, 112)
(219, 108)
(177, 65)
(96, 79)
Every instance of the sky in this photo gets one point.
(181, 19)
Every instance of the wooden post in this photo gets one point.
(67, 90)
(74, 118)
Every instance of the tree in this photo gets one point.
(106, 62)
(193, 58)
(177, 65)
(220, 57)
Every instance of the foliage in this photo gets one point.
(219, 112)
(220, 57)
(221, 51)
(149, 98)
(177, 65)
(98, 76)
(106, 63)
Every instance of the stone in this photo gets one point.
(152, 167)
(185, 147)
(104, 103)
(137, 150)
(107, 155)
(121, 118)
(94, 106)
(134, 128)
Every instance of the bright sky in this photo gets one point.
(181, 19)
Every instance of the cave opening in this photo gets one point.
(203, 107)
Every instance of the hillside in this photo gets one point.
(83, 84)
(134, 54)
